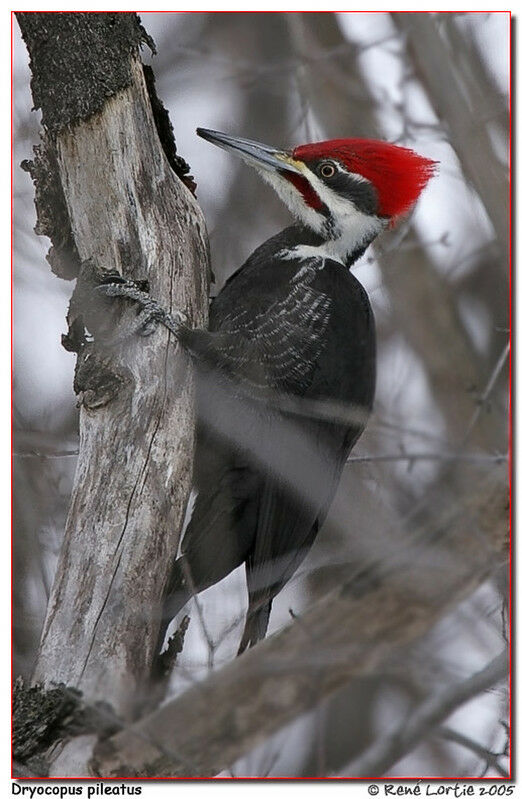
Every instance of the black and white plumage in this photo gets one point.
(265, 475)
(290, 333)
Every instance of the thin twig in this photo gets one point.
(490, 758)
(66, 453)
(429, 456)
(481, 401)
(386, 751)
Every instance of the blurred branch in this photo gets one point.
(481, 401)
(458, 103)
(64, 453)
(483, 92)
(491, 759)
(334, 89)
(263, 114)
(348, 634)
(408, 457)
(425, 309)
(412, 457)
(386, 751)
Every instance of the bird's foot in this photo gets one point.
(151, 313)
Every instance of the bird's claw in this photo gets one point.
(151, 313)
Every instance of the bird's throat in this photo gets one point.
(346, 245)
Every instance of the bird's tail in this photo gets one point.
(256, 626)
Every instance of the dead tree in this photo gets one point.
(108, 198)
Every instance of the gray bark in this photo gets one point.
(127, 212)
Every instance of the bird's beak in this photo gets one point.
(254, 153)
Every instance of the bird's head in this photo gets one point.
(346, 190)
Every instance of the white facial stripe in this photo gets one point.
(294, 200)
(353, 227)
(348, 228)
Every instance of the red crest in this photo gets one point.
(398, 173)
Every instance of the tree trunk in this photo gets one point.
(127, 212)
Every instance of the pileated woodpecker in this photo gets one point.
(286, 371)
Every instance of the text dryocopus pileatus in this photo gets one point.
(290, 342)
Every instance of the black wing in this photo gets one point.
(243, 441)
(266, 342)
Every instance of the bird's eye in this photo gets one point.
(327, 170)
